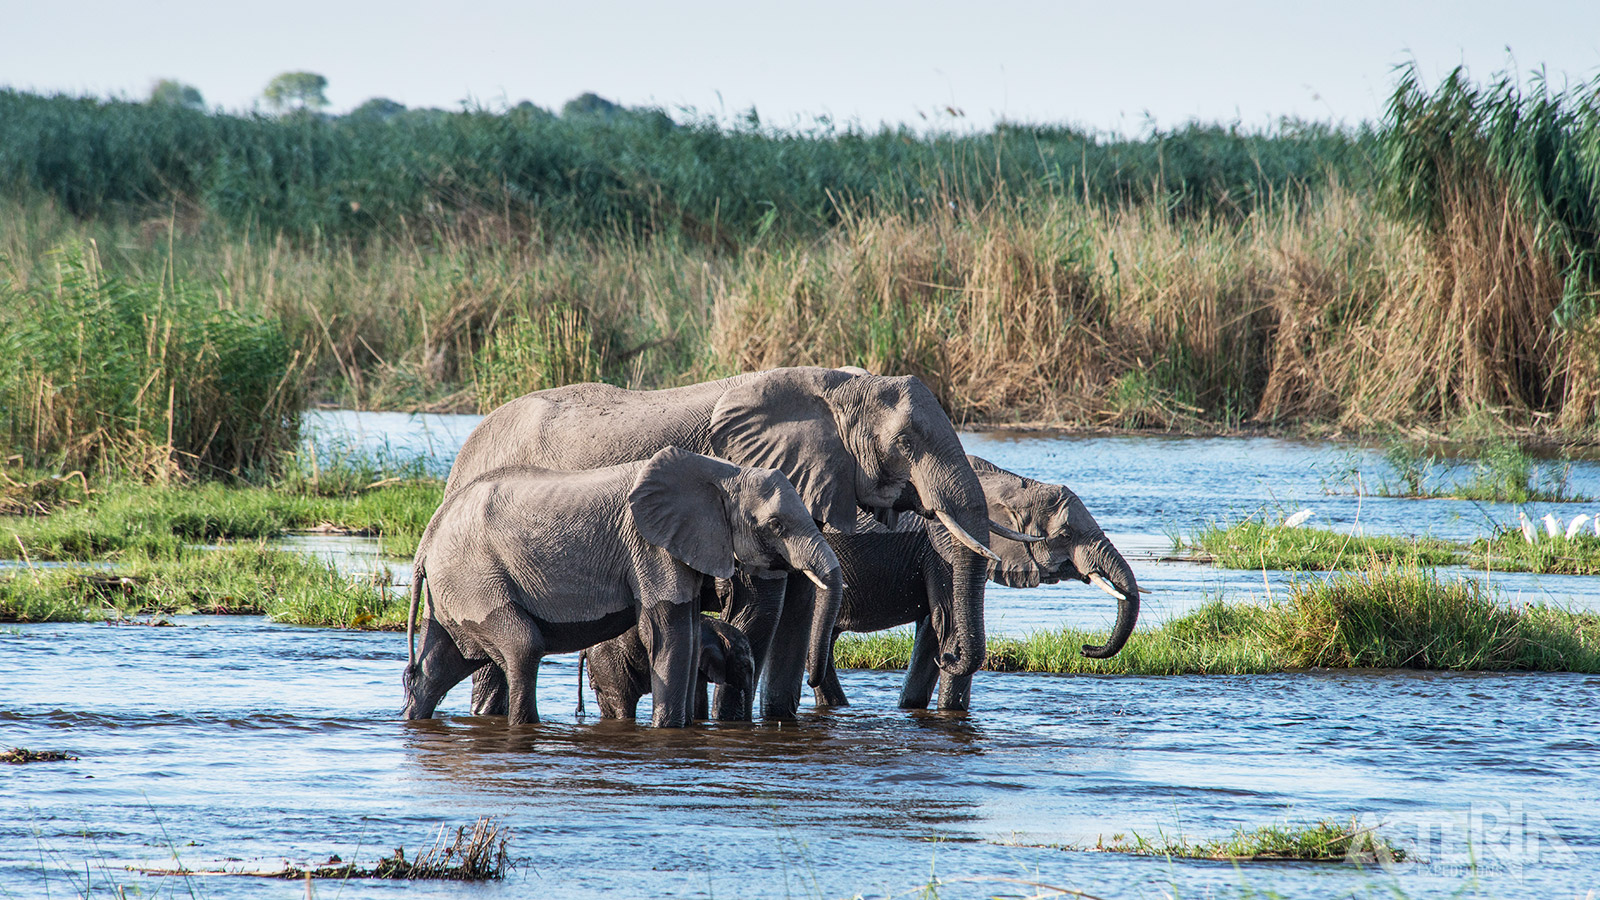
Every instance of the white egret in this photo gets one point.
(1551, 526)
(1299, 518)
(1527, 527)
(1577, 525)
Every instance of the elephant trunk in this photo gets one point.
(962, 652)
(1104, 567)
(817, 560)
(953, 496)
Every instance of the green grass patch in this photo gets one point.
(122, 519)
(233, 580)
(1252, 544)
(1325, 840)
(1381, 617)
(1511, 552)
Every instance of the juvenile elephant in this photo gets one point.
(896, 578)
(619, 669)
(847, 441)
(523, 561)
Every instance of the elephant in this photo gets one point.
(524, 561)
(895, 578)
(848, 441)
(619, 669)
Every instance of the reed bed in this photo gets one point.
(1435, 269)
(632, 171)
(153, 379)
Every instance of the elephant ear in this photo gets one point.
(679, 506)
(782, 421)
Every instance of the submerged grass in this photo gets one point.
(1253, 544)
(1382, 617)
(1325, 840)
(471, 853)
(1501, 472)
(17, 756)
(232, 580)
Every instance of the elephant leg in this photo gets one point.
(786, 652)
(753, 606)
(489, 693)
(440, 667)
(955, 692)
(702, 698)
(829, 692)
(922, 673)
(671, 635)
(518, 649)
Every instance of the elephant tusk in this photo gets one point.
(1011, 534)
(817, 580)
(961, 535)
(1100, 582)
(1144, 590)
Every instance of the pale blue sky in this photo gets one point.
(1101, 65)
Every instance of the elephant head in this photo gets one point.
(1073, 545)
(710, 514)
(852, 442)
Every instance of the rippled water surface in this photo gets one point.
(233, 742)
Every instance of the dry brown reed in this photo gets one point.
(1317, 309)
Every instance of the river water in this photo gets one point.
(233, 742)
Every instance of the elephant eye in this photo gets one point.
(776, 524)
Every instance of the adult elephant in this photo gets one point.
(847, 441)
(898, 577)
(524, 561)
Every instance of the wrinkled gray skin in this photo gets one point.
(847, 441)
(895, 578)
(523, 561)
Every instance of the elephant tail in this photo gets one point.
(583, 655)
(419, 574)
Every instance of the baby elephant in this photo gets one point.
(524, 561)
(619, 669)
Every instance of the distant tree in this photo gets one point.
(378, 109)
(295, 91)
(527, 109)
(169, 92)
(591, 104)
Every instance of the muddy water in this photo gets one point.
(227, 741)
(234, 742)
